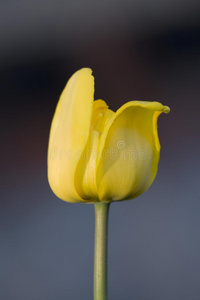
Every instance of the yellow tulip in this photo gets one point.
(96, 154)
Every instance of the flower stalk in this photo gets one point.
(100, 252)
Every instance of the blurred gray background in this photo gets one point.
(138, 50)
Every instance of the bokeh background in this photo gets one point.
(138, 50)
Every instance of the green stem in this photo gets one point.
(100, 252)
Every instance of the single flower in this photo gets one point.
(96, 154)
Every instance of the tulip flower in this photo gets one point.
(96, 154)
(99, 156)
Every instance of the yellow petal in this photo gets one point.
(86, 169)
(129, 151)
(69, 134)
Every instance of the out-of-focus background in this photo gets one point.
(138, 50)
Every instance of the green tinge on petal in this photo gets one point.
(69, 134)
(129, 151)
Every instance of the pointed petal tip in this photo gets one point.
(166, 109)
(85, 69)
(87, 72)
